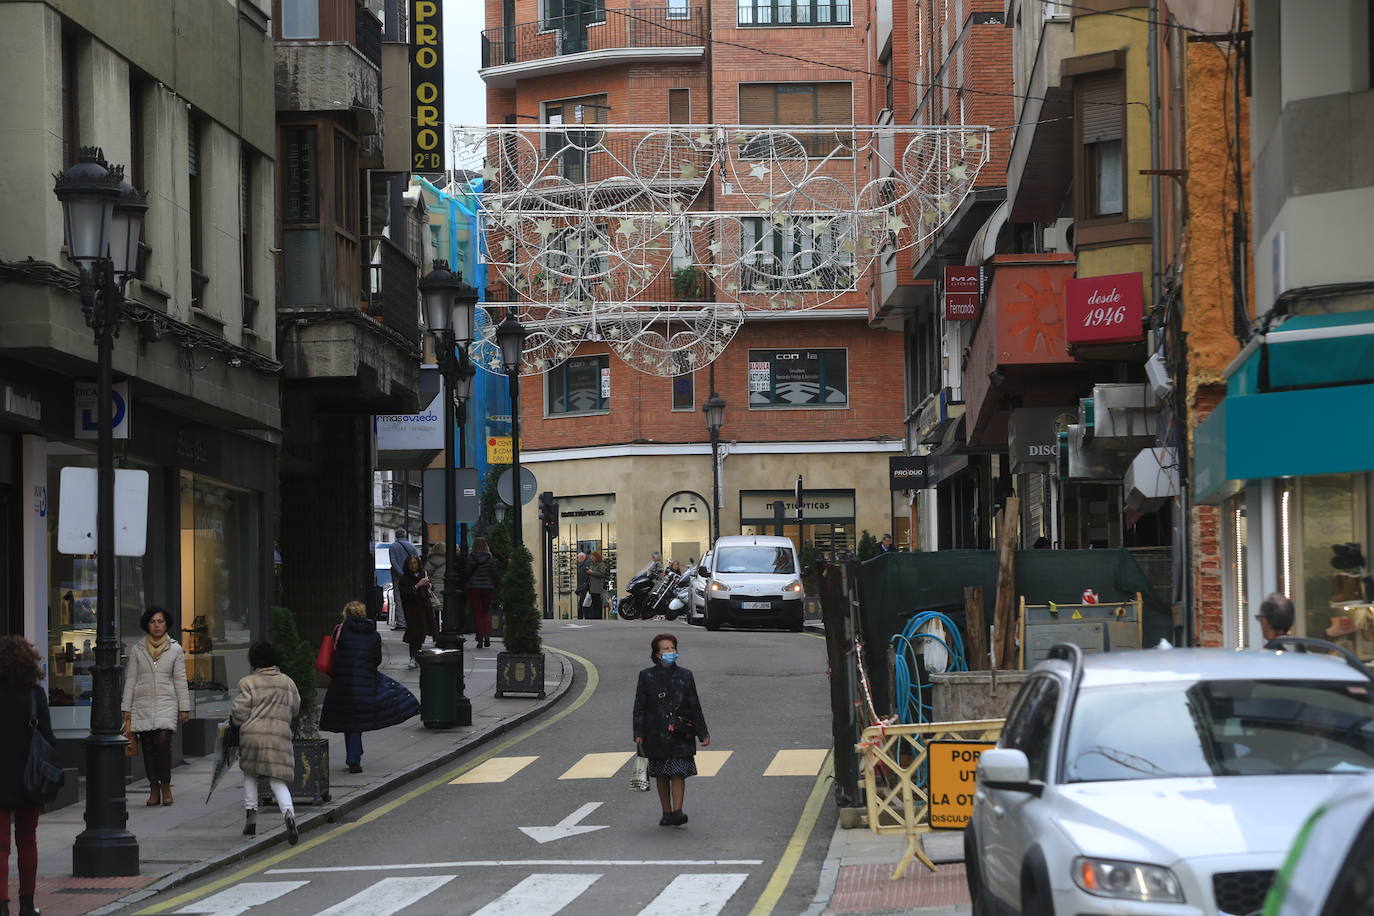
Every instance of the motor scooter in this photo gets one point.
(637, 590)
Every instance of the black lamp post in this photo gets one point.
(714, 408)
(103, 220)
(510, 335)
(450, 306)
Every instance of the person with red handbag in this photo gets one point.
(360, 698)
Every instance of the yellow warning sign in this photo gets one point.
(1077, 615)
(499, 450)
(953, 765)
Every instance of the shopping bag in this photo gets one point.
(324, 658)
(639, 782)
(587, 600)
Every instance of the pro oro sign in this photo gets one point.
(427, 86)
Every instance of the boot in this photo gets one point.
(26, 907)
(293, 836)
(4, 908)
(154, 796)
(250, 824)
(166, 793)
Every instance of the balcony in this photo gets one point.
(590, 40)
(391, 290)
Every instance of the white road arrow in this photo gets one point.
(566, 827)
(576, 626)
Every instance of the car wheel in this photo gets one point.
(1035, 902)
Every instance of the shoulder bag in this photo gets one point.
(43, 778)
(678, 725)
(324, 658)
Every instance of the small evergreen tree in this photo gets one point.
(868, 546)
(297, 663)
(516, 592)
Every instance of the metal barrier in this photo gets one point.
(896, 777)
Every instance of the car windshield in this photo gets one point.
(756, 559)
(1220, 728)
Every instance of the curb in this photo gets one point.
(330, 813)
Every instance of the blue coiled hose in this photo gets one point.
(910, 708)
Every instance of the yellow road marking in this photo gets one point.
(710, 762)
(497, 769)
(787, 865)
(796, 763)
(593, 679)
(598, 766)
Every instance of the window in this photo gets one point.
(247, 239)
(679, 9)
(793, 12)
(800, 104)
(195, 169)
(579, 386)
(573, 261)
(300, 18)
(137, 175)
(679, 106)
(302, 177)
(572, 147)
(797, 255)
(798, 378)
(1102, 126)
(684, 392)
(71, 99)
(587, 10)
(773, 561)
(1033, 723)
(346, 183)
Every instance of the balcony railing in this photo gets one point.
(668, 285)
(601, 30)
(399, 495)
(369, 36)
(390, 285)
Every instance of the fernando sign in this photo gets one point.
(426, 87)
(963, 293)
(1102, 310)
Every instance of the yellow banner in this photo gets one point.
(499, 450)
(952, 767)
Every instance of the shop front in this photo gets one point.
(685, 523)
(827, 526)
(585, 524)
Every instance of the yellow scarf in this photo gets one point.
(156, 647)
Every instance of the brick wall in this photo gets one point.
(1208, 558)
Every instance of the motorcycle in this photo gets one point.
(637, 591)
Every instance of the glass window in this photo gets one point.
(684, 392)
(1330, 555)
(801, 104)
(1221, 728)
(685, 523)
(301, 179)
(1105, 168)
(793, 12)
(300, 18)
(756, 559)
(585, 523)
(801, 254)
(581, 385)
(1033, 724)
(798, 378)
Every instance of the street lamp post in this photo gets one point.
(714, 408)
(103, 218)
(450, 307)
(511, 334)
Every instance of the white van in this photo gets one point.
(754, 580)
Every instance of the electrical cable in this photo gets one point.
(907, 686)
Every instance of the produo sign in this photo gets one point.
(427, 86)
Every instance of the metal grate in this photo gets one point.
(1239, 893)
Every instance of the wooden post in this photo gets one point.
(1005, 605)
(975, 628)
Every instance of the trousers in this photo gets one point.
(157, 755)
(479, 605)
(353, 747)
(279, 791)
(26, 837)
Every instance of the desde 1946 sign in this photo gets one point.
(426, 86)
(1104, 309)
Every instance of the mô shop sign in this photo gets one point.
(426, 87)
(1105, 310)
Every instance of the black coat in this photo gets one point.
(361, 698)
(15, 710)
(662, 691)
(481, 570)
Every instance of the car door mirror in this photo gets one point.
(1007, 768)
(703, 572)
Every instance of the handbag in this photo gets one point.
(130, 749)
(324, 658)
(681, 727)
(639, 781)
(43, 778)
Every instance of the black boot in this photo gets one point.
(293, 836)
(250, 824)
(4, 908)
(26, 907)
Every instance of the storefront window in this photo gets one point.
(827, 520)
(685, 522)
(1329, 560)
(585, 524)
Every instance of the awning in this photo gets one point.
(984, 244)
(1309, 351)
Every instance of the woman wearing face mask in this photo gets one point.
(668, 722)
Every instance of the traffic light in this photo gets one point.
(548, 514)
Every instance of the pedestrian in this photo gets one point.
(436, 567)
(590, 606)
(481, 585)
(360, 698)
(1276, 615)
(885, 545)
(581, 590)
(668, 722)
(419, 607)
(266, 703)
(22, 701)
(400, 550)
(156, 700)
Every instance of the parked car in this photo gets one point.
(696, 606)
(1330, 869)
(754, 580)
(1162, 781)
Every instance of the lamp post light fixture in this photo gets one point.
(103, 219)
(714, 408)
(450, 307)
(510, 335)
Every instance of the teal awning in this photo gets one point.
(1310, 351)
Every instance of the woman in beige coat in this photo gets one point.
(156, 700)
(263, 710)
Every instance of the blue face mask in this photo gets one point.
(668, 658)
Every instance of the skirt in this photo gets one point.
(672, 766)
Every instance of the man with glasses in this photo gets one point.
(1275, 617)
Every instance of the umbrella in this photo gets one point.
(226, 754)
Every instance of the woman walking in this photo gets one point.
(596, 587)
(156, 700)
(481, 585)
(668, 722)
(361, 698)
(263, 710)
(21, 701)
(419, 609)
(436, 568)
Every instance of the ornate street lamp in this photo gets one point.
(714, 408)
(103, 220)
(510, 335)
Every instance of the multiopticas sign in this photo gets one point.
(427, 86)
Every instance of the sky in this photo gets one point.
(465, 93)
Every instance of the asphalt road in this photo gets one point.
(755, 843)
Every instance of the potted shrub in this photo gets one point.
(311, 782)
(689, 284)
(520, 667)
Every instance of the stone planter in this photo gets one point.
(517, 673)
(311, 782)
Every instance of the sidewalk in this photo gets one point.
(191, 838)
(857, 876)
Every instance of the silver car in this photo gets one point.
(696, 605)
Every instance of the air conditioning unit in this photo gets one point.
(1058, 236)
(1125, 416)
(1086, 463)
(1152, 479)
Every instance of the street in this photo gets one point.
(544, 821)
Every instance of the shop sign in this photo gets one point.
(605, 382)
(1033, 436)
(427, 87)
(1105, 309)
(953, 778)
(817, 505)
(581, 510)
(499, 450)
(467, 504)
(963, 293)
(685, 504)
(76, 505)
(908, 472)
(760, 377)
(412, 431)
(87, 403)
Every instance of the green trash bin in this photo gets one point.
(439, 687)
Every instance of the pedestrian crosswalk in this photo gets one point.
(608, 764)
(537, 894)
